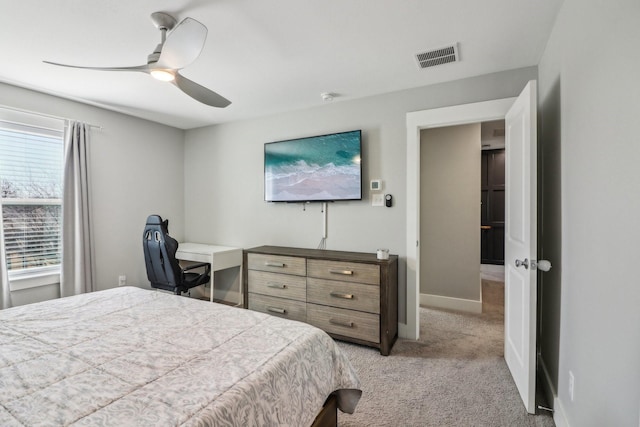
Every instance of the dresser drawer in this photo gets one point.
(349, 323)
(277, 264)
(278, 285)
(353, 296)
(289, 309)
(344, 271)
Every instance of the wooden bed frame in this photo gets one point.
(328, 416)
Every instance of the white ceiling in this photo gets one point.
(265, 56)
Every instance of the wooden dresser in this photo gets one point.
(353, 296)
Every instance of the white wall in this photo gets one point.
(136, 170)
(590, 104)
(224, 171)
(450, 160)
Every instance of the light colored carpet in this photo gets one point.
(454, 375)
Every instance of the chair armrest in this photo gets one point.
(198, 265)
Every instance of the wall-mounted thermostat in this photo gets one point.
(376, 184)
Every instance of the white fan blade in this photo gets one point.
(183, 45)
(143, 68)
(200, 93)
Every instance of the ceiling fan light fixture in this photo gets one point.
(163, 75)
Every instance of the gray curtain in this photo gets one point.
(5, 293)
(77, 272)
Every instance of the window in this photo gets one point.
(31, 176)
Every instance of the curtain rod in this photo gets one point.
(50, 116)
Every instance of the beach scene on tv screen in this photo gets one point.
(318, 168)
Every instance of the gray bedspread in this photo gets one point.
(133, 357)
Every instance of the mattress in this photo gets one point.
(129, 356)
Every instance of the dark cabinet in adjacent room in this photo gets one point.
(492, 217)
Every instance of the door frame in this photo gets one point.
(417, 121)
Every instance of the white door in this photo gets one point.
(521, 244)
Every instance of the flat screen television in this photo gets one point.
(315, 169)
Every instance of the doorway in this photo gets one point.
(416, 121)
(520, 242)
(492, 219)
(462, 211)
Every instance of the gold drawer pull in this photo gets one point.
(277, 286)
(341, 323)
(343, 272)
(339, 295)
(277, 310)
(274, 264)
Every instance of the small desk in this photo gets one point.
(220, 258)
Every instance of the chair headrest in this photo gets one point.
(157, 220)
(154, 220)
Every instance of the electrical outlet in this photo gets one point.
(122, 280)
(572, 384)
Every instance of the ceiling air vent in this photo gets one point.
(438, 56)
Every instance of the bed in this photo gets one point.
(130, 356)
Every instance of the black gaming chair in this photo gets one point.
(163, 269)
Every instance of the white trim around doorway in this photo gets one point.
(417, 121)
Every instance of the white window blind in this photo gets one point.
(31, 176)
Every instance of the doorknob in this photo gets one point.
(541, 264)
(524, 263)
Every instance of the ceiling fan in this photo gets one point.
(177, 49)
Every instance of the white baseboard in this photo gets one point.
(559, 416)
(229, 295)
(492, 268)
(448, 303)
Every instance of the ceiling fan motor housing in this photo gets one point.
(163, 21)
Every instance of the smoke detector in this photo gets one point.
(327, 96)
(438, 56)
